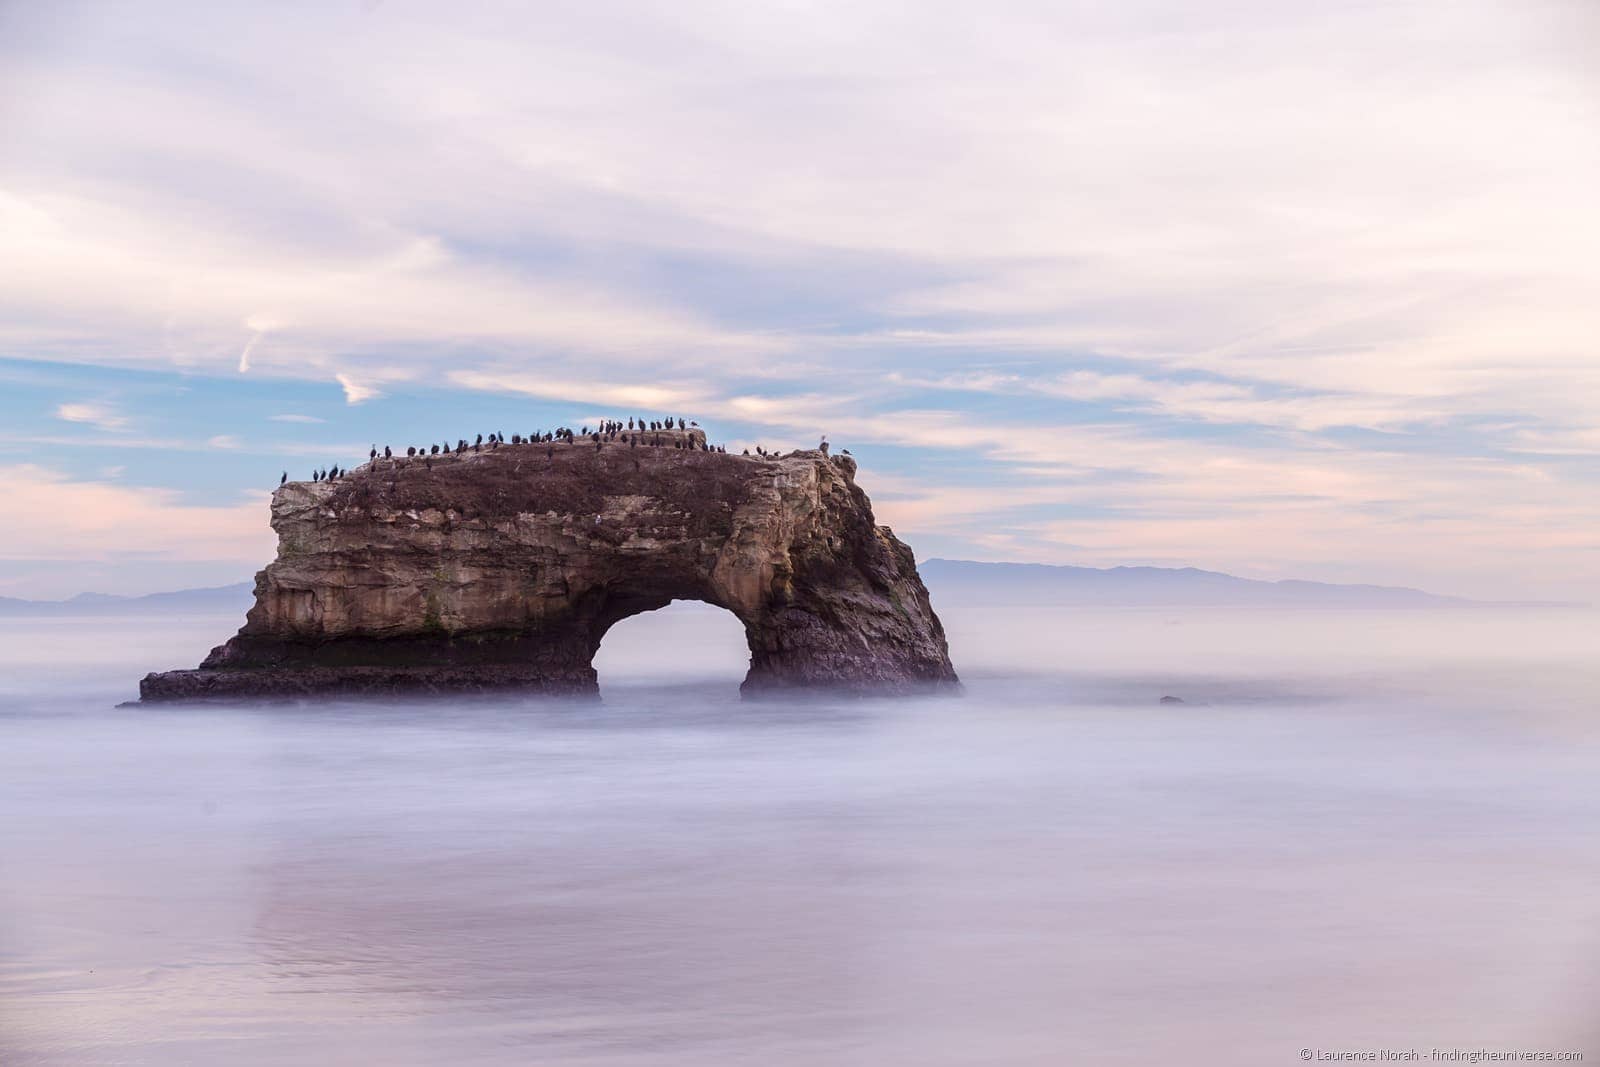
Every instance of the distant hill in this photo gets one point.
(966, 581)
(951, 581)
(218, 599)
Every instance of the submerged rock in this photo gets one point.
(505, 568)
(1173, 700)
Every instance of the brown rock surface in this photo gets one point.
(504, 569)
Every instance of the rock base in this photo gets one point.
(288, 683)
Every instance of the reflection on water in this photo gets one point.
(1363, 831)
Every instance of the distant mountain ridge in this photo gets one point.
(221, 598)
(968, 581)
(951, 581)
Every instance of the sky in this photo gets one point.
(1277, 287)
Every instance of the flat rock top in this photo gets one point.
(555, 476)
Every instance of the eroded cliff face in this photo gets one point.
(504, 568)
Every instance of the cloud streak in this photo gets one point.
(354, 391)
(94, 414)
(101, 520)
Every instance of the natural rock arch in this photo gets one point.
(504, 569)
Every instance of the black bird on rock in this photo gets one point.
(386, 453)
(284, 480)
(374, 453)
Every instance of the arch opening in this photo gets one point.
(687, 642)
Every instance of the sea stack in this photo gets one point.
(503, 569)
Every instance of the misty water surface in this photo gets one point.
(1363, 830)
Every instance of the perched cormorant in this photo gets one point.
(374, 453)
(386, 453)
(284, 480)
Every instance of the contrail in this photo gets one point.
(244, 357)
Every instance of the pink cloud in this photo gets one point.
(95, 520)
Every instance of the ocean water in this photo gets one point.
(1362, 831)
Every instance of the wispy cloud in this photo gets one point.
(355, 392)
(95, 414)
(258, 327)
(100, 520)
(652, 398)
(296, 418)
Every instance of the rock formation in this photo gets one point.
(504, 569)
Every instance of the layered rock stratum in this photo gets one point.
(504, 568)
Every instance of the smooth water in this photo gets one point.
(1363, 832)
